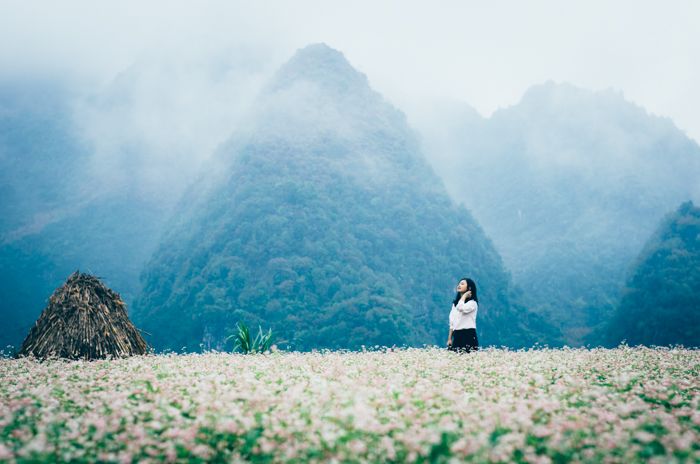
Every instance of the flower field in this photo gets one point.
(425, 405)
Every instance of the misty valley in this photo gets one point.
(327, 214)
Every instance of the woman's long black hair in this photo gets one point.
(471, 285)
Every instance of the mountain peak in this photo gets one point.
(564, 94)
(318, 51)
(554, 92)
(322, 65)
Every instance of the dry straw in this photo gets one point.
(84, 320)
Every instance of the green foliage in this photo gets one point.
(51, 220)
(661, 303)
(244, 343)
(96, 239)
(332, 238)
(569, 184)
(40, 155)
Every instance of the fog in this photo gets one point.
(189, 68)
(575, 117)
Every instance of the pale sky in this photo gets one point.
(483, 53)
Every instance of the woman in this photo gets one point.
(462, 335)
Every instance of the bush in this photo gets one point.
(244, 343)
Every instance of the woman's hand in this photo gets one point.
(466, 295)
(449, 341)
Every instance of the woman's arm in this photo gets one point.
(449, 338)
(466, 308)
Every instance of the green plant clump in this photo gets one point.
(244, 343)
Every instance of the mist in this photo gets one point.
(183, 64)
(577, 118)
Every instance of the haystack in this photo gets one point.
(83, 320)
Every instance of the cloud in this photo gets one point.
(484, 54)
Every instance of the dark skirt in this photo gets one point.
(464, 340)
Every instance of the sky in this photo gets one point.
(485, 54)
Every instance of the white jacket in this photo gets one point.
(463, 315)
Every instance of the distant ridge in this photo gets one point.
(569, 183)
(661, 300)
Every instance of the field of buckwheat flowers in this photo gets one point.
(407, 405)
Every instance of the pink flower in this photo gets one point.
(357, 447)
(5, 452)
(644, 437)
(541, 431)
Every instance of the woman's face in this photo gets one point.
(462, 286)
